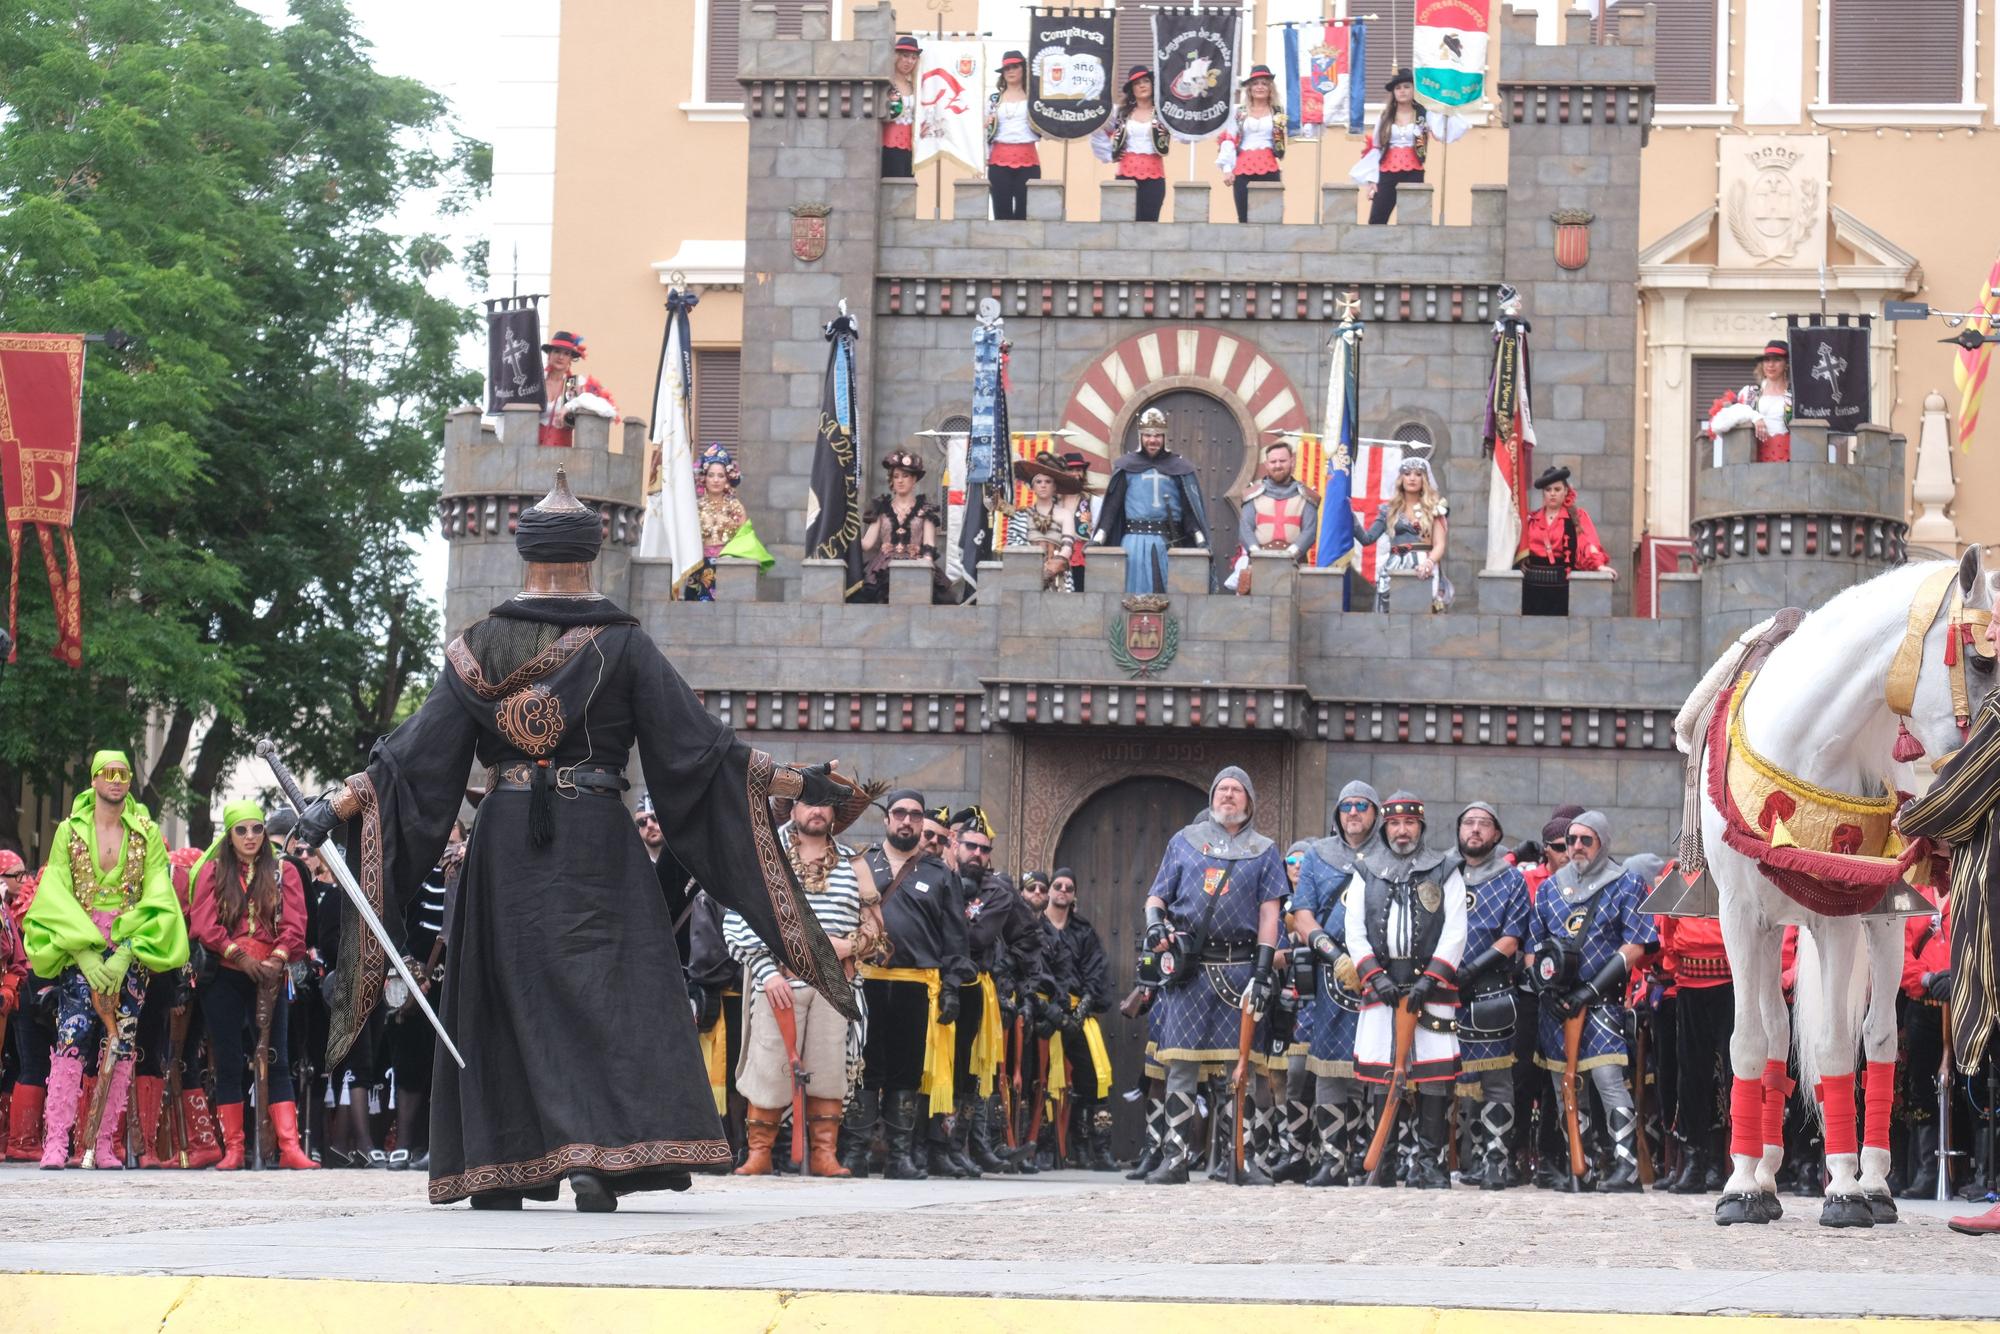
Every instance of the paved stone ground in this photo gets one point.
(1070, 1233)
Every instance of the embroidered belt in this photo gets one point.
(1702, 965)
(599, 780)
(1150, 527)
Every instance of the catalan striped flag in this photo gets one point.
(1968, 369)
(1028, 444)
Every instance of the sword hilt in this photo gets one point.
(267, 751)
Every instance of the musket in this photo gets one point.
(176, 1117)
(1034, 1135)
(788, 1029)
(329, 853)
(1640, 1142)
(1239, 1080)
(100, 1094)
(267, 1004)
(1944, 1153)
(1399, 1074)
(1010, 1086)
(1572, 1052)
(1061, 1049)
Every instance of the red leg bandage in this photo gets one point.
(1878, 1090)
(1776, 1089)
(1837, 1108)
(1746, 1118)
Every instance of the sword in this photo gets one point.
(330, 854)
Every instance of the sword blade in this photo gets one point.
(337, 864)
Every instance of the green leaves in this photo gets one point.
(256, 466)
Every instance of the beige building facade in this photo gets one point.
(1805, 155)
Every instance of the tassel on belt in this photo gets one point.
(989, 1045)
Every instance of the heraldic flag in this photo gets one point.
(1341, 436)
(41, 409)
(672, 531)
(833, 499)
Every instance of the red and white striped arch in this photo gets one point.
(1193, 356)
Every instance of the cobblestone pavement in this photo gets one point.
(1063, 1233)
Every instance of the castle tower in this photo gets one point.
(491, 476)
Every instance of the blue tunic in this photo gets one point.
(1617, 921)
(1199, 1019)
(1337, 1011)
(1150, 496)
(1493, 910)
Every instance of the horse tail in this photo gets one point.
(1689, 719)
(1809, 1017)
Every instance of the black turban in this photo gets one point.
(559, 537)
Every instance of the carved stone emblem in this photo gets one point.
(809, 231)
(1572, 236)
(1773, 199)
(1145, 639)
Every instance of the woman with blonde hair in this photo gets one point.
(1414, 519)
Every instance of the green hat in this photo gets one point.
(236, 812)
(104, 759)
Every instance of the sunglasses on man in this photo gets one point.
(906, 813)
(1352, 807)
(970, 846)
(1583, 840)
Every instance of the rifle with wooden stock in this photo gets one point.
(1399, 1075)
(788, 1029)
(1239, 1083)
(106, 1008)
(1572, 1052)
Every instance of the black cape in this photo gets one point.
(1111, 510)
(565, 990)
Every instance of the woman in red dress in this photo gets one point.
(1254, 141)
(1138, 141)
(1011, 157)
(1561, 538)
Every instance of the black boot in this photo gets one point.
(937, 1148)
(1256, 1142)
(900, 1120)
(1624, 1174)
(1096, 1155)
(979, 1144)
(1385, 1167)
(1045, 1150)
(1149, 1157)
(961, 1142)
(1176, 1143)
(1292, 1162)
(1692, 1178)
(1923, 1161)
(1427, 1169)
(593, 1193)
(1496, 1123)
(1472, 1147)
(1329, 1124)
(857, 1130)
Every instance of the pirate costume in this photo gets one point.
(1078, 466)
(1253, 143)
(581, 1062)
(1012, 159)
(1049, 527)
(898, 129)
(1086, 987)
(1556, 545)
(576, 393)
(1765, 403)
(899, 534)
(1396, 153)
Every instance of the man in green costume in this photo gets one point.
(106, 901)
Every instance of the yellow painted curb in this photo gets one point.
(74, 1304)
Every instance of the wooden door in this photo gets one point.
(1114, 843)
(1206, 433)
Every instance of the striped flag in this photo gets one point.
(1340, 438)
(1027, 445)
(1968, 368)
(1373, 482)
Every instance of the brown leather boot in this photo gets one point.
(760, 1129)
(822, 1135)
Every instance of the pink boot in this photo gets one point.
(59, 1113)
(110, 1143)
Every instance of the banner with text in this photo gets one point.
(1069, 71)
(1449, 45)
(1194, 62)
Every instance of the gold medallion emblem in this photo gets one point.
(1430, 896)
(1575, 923)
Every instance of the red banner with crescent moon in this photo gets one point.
(41, 430)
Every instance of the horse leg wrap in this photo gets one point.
(1746, 1118)
(1776, 1089)
(1837, 1107)
(1878, 1092)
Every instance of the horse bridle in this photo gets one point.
(1964, 639)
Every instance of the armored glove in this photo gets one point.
(1072, 1019)
(1158, 931)
(817, 786)
(1263, 983)
(1048, 1017)
(1382, 988)
(1420, 991)
(1346, 973)
(1320, 943)
(316, 823)
(707, 1007)
(1602, 987)
(1938, 985)
(947, 1004)
(1489, 962)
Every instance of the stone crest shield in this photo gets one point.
(1145, 639)
(809, 231)
(1572, 236)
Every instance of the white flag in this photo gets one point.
(951, 104)
(672, 531)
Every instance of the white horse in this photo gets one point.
(1818, 710)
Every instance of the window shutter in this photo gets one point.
(1714, 376)
(1131, 44)
(1887, 51)
(789, 12)
(718, 398)
(725, 50)
(1684, 52)
(1388, 43)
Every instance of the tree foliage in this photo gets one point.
(256, 465)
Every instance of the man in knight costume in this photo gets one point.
(581, 1061)
(1214, 908)
(1320, 919)
(1497, 910)
(1588, 934)
(1152, 505)
(1280, 513)
(1405, 911)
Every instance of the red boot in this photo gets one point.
(204, 1142)
(285, 1122)
(24, 1124)
(1979, 1225)
(232, 1136)
(151, 1088)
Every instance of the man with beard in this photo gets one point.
(1004, 940)
(826, 873)
(1088, 995)
(1587, 916)
(913, 999)
(1152, 505)
(1215, 902)
(1319, 919)
(1406, 924)
(1496, 921)
(1279, 514)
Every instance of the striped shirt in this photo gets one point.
(838, 908)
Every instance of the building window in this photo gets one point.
(718, 398)
(1413, 433)
(1131, 44)
(718, 55)
(1896, 52)
(1389, 32)
(1685, 44)
(1712, 377)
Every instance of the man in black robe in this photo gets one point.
(565, 990)
(1152, 505)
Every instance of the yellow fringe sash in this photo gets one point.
(940, 1045)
